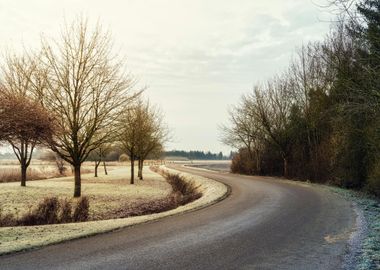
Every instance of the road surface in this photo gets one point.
(263, 224)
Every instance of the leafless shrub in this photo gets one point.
(45, 213)
(66, 211)
(60, 165)
(7, 220)
(81, 212)
(49, 211)
(123, 158)
(183, 191)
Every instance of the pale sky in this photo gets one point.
(197, 57)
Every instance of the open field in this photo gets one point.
(106, 193)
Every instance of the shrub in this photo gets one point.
(81, 212)
(59, 162)
(123, 158)
(373, 185)
(45, 213)
(66, 212)
(7, 219)
(183, 191)
(49, 211)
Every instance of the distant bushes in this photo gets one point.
(50, 210)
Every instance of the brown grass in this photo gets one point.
(13, 174)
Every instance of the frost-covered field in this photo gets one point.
(106, 192)
(367, 255)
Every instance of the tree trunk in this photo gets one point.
(77, 180)
(141, 165)
(286, 173)
(96, 168)
(105, 168)
(258, 163)
(23, 173)
(132, 171)
(138, 168)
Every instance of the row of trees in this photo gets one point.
(318, 120)
(73, 96)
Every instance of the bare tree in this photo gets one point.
(271, 106)
(244, 131)
(128, 135)
(99, 156)
(153, 135)
(141, 132)
(86, 90)
(24, 124)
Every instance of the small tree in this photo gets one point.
(141, 132)
(24, 124)
(99, 156)
(153, 135)
(128, 134)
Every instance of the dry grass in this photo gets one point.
(38, 170)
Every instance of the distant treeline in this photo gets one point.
(200, 155)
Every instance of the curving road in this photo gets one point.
(263, 224)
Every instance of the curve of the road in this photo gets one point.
(263, 224)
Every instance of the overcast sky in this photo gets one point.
(197, 57)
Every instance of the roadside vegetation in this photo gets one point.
(367, 252)
(318, 120)
(184, 191)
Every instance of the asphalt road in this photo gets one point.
(263, 224)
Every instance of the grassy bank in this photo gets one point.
(367, 251)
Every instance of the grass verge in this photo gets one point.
(367, 254)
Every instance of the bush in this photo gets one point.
(49, 211)
(373, 185)
(66, 211)
(45, 213)
(81, 212)
(183, 191)
(123, 158)
(7, 220)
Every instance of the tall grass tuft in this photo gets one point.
(50, 210)
(82, 209)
